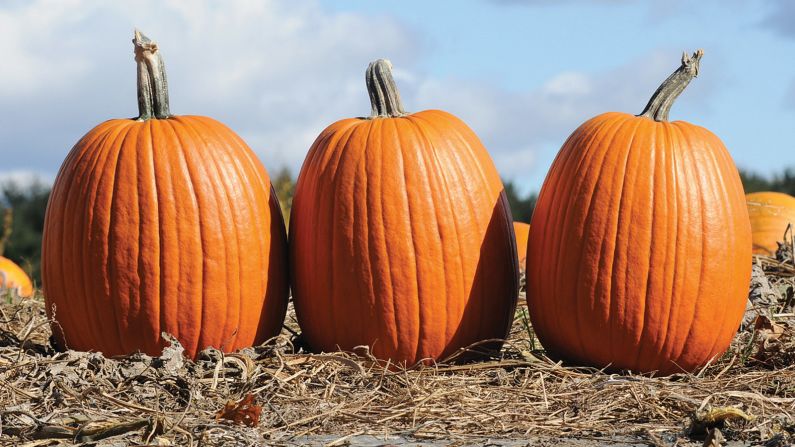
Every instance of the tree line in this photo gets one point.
(22, 210)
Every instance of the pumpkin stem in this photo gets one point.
(152, 82)
(384, 95)
(660, 103)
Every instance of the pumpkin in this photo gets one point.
(160, 224)
(771, 213)
(522, 231)
(13, 278)
(400, 235)
(640, 254)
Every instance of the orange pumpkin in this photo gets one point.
(163, 224)
(12, 277)
(400, 235)
(640, 254)
(522, 231)
(770, 213)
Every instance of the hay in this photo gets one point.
(50, 398)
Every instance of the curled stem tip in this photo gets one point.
(659, 105)
(152, 81)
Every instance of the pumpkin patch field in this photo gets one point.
(279, 393)
(501, 252)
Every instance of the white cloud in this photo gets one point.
(275, 72)
(517, 126)
(27, 35)
(568, 83)
(25, 178)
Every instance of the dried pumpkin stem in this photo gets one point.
(384, 95)
(152, 82)
(660, 103)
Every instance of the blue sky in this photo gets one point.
(522, 73)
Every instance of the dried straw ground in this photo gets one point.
(50, 398)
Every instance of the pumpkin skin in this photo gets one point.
(13, 277)
(522, 231)
(401, 239)
(163, 225)
(770, 213)
(640, 254)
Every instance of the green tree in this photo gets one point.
(27, 205)
(753, 182)
(521, 206)
(784, 182)
(6, 228)
(284, 185)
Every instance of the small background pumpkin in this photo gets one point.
(522, 231)
(770, 214)
(13, 277)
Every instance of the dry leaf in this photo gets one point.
(771, 340)
(172, 357)
(767, 328)
(244, 412)
(714, 438)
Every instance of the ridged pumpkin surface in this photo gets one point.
(163, 225)
(640, 254)
(13, 277)
(401, 239)
(770, 213)
(522, 231)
